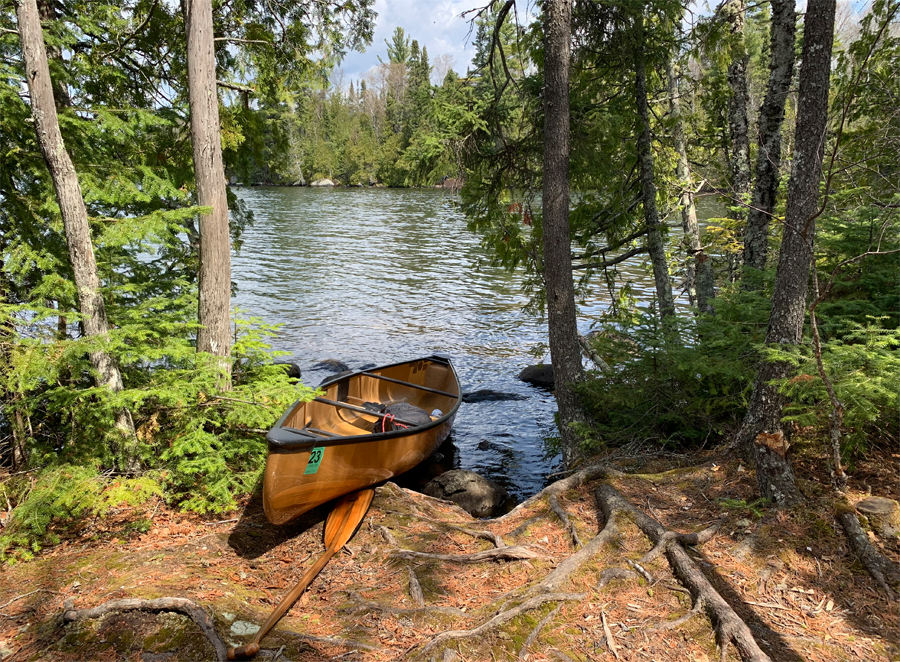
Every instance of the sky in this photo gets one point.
(436, 24)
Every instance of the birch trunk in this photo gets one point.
(73, 211)
(771, 117)
(699, 279)
(761, 433)
(561, 315)
(214, 336)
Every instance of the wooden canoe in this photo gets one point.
(333, 445)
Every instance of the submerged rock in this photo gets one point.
(539, 375)
(490, 395)
(331, 365)
(475, 494)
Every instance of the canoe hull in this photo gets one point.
(358, 458)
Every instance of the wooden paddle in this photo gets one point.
(340, 526)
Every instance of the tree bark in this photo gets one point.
(761, 434)
(561, 315)
(735, 13)
(73, 211)
(655, 246)
(699, 280)
(214, 336)
(768, 159)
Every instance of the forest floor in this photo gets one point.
(407, 586)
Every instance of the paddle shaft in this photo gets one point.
(339, 528)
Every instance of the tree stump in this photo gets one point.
(883, 515)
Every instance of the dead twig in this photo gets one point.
(610, 642)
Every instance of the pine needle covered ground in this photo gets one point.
(407, 586)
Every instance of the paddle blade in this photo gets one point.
(345, 517)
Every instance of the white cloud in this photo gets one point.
(438, 26)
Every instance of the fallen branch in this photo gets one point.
(515, 553)
(881, 568)
(179, 605)
(500, 618)
(728, 625)
(610, 642)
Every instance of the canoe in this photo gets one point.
(367, 427)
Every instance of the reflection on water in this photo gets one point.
(373, 276)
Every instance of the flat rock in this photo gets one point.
(539, 375)
(322, 182)
(490, 395)
(477, 495)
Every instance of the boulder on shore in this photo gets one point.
(322, 182)
(475, 494)
(539, 375)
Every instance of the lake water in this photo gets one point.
(374, 276)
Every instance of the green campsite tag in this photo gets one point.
(315, 459)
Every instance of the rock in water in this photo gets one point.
(332, 365)
(490, 395)
(539, 375)
(475, 494)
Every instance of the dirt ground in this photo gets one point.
(406, 587)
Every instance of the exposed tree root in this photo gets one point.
(560, 512)
(496, 540)
(729, 626)
(678, 622)
(882, 569)
(577, 479)
(536, 631)
(331, 641)
(361, 604)
(180, 605)
(500, 619)
(610, 574)
(415, 589)
(515, 553)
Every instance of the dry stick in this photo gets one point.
(640, 570)
(22, 597)
(180, 605)
(519, 530)
(501, 618)
(560, 512)
(882, 569)
(536, 631)
(610, 642)
(728, 624)
(515, 553)
(388, 536)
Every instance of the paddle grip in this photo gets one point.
(243, 652)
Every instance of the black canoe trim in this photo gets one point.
(415, 386)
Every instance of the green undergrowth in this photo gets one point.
(198, 447)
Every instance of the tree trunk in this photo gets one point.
(735, 13)
(73, 211)
(699, 280)
(655, 246)
(768, 159)
(761, 434)
(561, 317)
(214, 336)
